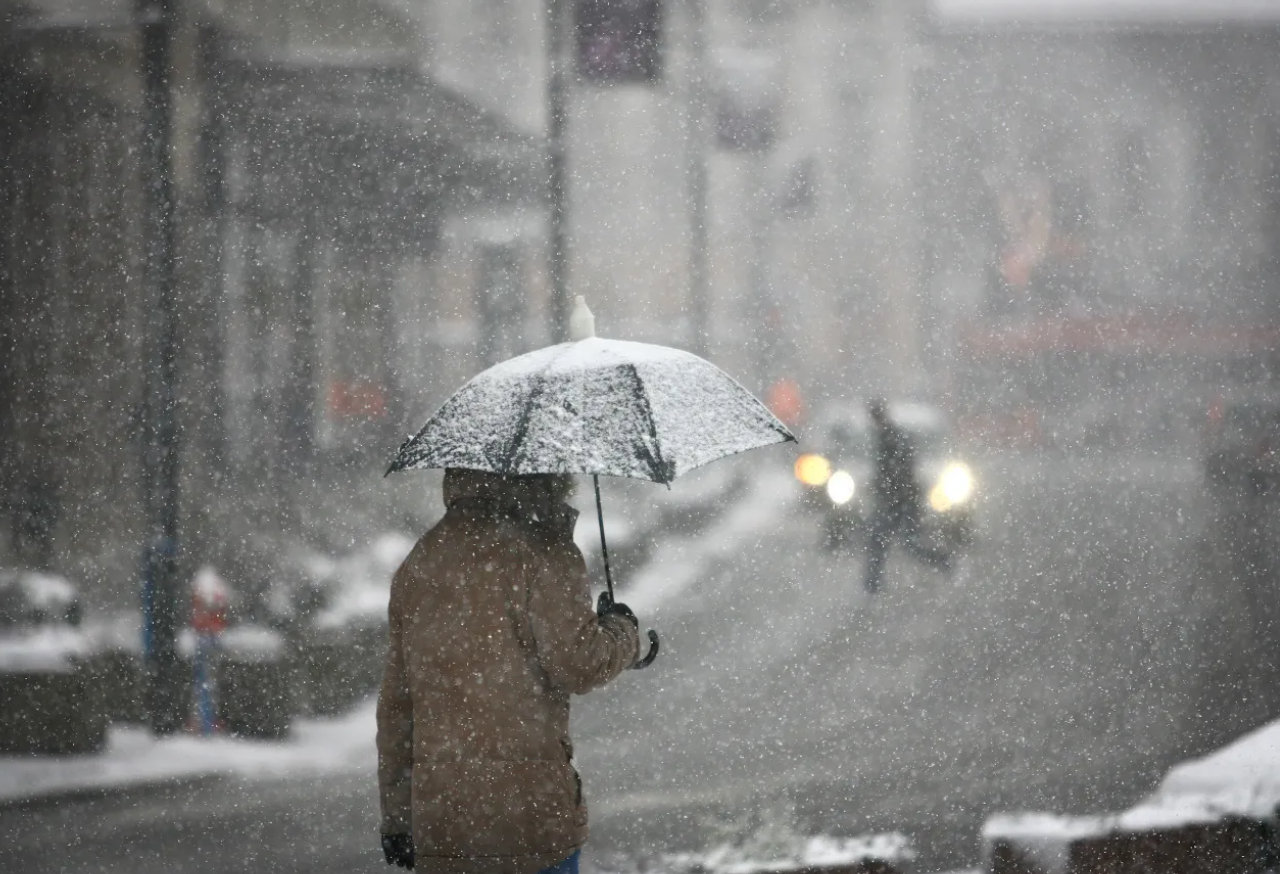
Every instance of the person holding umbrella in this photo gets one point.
(491, 631)
(491, 622)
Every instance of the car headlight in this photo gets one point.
(841, 487)
(813, 470)
(954, 487)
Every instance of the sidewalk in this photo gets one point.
(135, 759)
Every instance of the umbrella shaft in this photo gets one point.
(604, 547)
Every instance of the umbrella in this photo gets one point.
(594, 406)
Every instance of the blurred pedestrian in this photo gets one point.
(492, 630)
(896, 500)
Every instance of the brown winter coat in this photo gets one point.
(492, 629)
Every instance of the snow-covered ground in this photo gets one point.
(135, 758)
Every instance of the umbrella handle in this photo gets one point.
(608, 578)
(604, 547)
(653, 652)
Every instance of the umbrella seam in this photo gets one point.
(660, 467)
(522, 426)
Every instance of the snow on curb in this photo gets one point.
(47, 649)
(1243, 777)
(135, 759)
(362, 582)
(818, 853)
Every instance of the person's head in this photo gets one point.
(548, 489)
(879, 410)
(532, 493)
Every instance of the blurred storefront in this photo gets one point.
(1102, 201)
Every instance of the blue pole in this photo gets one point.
(205, 708)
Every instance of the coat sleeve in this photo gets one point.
(578, 650)
(395, 733)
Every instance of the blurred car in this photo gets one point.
(1242, 451)
(50, 701)
(836, 470)
(837, 473)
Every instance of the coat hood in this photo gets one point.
(504, 492)
(535, 497)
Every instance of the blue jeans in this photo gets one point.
(568, 866)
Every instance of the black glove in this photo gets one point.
(606, 605)
(398, 850)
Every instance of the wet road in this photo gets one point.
(1057, 669)
(1064, 666)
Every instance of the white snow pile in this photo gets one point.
(208, 587)
(1044, 839)
(1239, 780)
(43, 592)
(43, 649)
(135, 758)
(361, 583)
(820, 851)
(249, 643)
(634, 511)
(1243, 776)
(35, 633)
(119, 631)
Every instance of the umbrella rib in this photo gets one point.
(410, 451)
(661, 468)
(522, 426)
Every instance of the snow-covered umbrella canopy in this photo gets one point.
(595, 406)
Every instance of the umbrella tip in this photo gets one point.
(581, 323)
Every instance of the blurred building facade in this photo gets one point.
(914, 172)
(1100, 215)
(315, 166)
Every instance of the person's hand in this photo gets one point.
(398, 850)
(606, 605)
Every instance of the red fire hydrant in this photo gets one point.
(210, 604)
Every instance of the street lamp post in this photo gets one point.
(898, 243)
(163, 604)
(696, 100)
(556, 175)
(764, 319)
